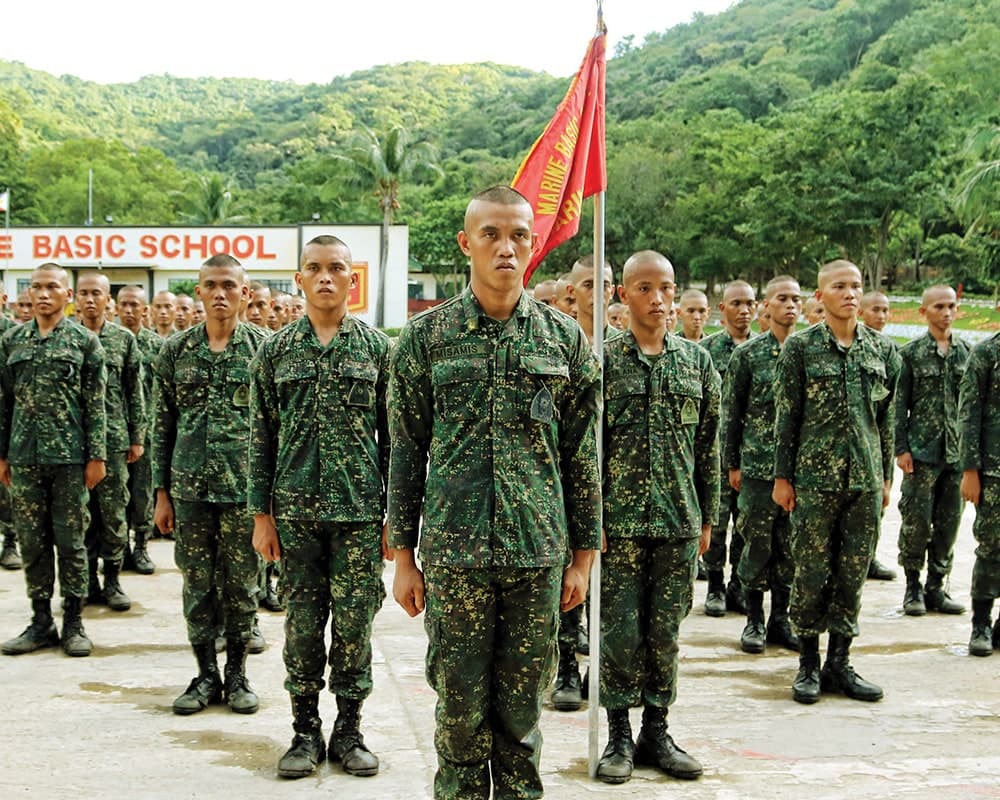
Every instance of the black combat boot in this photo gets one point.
(40, 633)
(256, 643)
(141, 561)
(9, 559)
(74, 638)
(616, 762)
(736, 599)
(116, 599)
(239, 696)
(308, 747)
(206, 687)
(913, 597)
(839, 676)
(95, 597)
(937, 598)
(567, 695)
(752, 639)
(655, 747)
(347, 745)
(981, 643)
(779, 629)
(715, 600)
(805, 688)
(877, 571)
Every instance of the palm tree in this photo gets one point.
(209, 201)
(978, 185)
(384, 164)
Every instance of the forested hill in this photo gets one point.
(769, 137)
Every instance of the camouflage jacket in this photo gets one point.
(721, 347)
(661, 451)
(52, 395)
(748, 400)
(927, 399)
(834, 414)
(124, 398)
(201, 423)
(493, 428)
(319, 436)
(979, 410)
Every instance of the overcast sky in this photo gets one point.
(307, 41)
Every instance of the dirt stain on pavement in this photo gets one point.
(252, 753)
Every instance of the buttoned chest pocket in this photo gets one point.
(19, 363)
(876, 382)
(294, 380)
(928, 377)
(684, 396)
(459, 388)
(62, 365)
(114, 363)
(762, 390)
(237, 385)
(625, 400)
(822, 379)
(543, 382)
(192, 382)
(359, 384)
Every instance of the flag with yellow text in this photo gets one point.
(567, 162)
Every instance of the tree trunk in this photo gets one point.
(383, 260)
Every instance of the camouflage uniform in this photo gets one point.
(748, 399)
(140, 477)
(501, 419)
(834, 423)
(319, 458)
(661, 483)
(927, 428)
(979, 449)
(201, 435)
(52, 422)
(6, 522)
(124, 403)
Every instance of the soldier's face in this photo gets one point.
(259, 307)
(183, 312)
(875, 313)
(198, 313)
(163, 310)
(221, 289)
(498, 240)
(565, 301)
(297, 308)
(130, 306)
(840, 292)
(693, 315)
(583, 290)
(24, 310)
(783, 304)
(649, 295)
(49, 291)
(326, 277)
(91, 298)
(737, 308)
(939, 309)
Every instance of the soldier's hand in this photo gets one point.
(971, 488)
(94, 473)
(784, 494)
(163, 513)
(408, 583)
(265, 537)
(905, 462)
(576, 579)
(735, 479)
(388, 554)
(4, 472)
(604, 541)
(886, 491)
(705, 540)
(134, 453)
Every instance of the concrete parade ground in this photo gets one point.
(102, 726)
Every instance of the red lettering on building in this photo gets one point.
(200, 246)
(263, 255)
(219, 245)
(173, 242)
(41, 246)
(243, 247)
(147, 246)
(6, 246)
(116, 246)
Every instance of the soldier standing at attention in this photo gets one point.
(979, 460)
(259, 305)
(139, 513)
(564, 299)
(833, 391)
(930, 372)
(24, 309)
(737, 307)
(124, 404)
(201, 438)
(493, 408)
(319, 456)
(692, 311)
(813, 310)
(748, 397)
(661, 493)
(52, 451)
(183, 312)
(164, 312)
(9, 558)
(198, 312)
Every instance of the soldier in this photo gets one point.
(545, 292)
(764, 320)
(124, 404)
(296, 308)
(183, 312)
(259, 305)
(670, 318)
(737, 307)
(317, 492)
(198, 312)
(661, 485)
(200, 441)
(692, 311)
(9, 558)
(281, 303)
(748, 397)
(931, 370)
(24, 309)
(52, 451)
(618, 316)
(493, 404)
(164, 312)
(831, 378)
(139, 512)
(813, 311)
(979, 460)
(564, 299)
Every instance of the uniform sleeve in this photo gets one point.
(903, 401)
(735, 393)
(164, 418)
(6, 401)
(579, 467)
(707, 476)
(886, 411)
(135, 399)
(410, 405)
(789, 404)
(971, 394)
(382, 416)
(265, 423)
(93, 382)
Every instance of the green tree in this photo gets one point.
(208, 200)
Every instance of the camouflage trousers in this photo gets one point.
(833, 541)
(490, 658)
(570, 623)
(715, 556)
(214, 551)
(49, 506)
(931, 510)
(763, 525)
(107, 534)
(139, 511)
(986, 529)
(6, 520)
(331, 570)
(646, 591)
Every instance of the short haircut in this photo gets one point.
(93, 273)
(182, 296)
(224, 261)
(326, 240)
(504, 195)
(870, 297)
(52, 266)
(834, 266)
(777, 280)
(693, 294)
(644, 257)
(937, 287)
(256, 286)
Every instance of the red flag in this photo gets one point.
(566, 163)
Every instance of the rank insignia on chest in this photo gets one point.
(541, 406)
(241, 397)
(689, 412)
